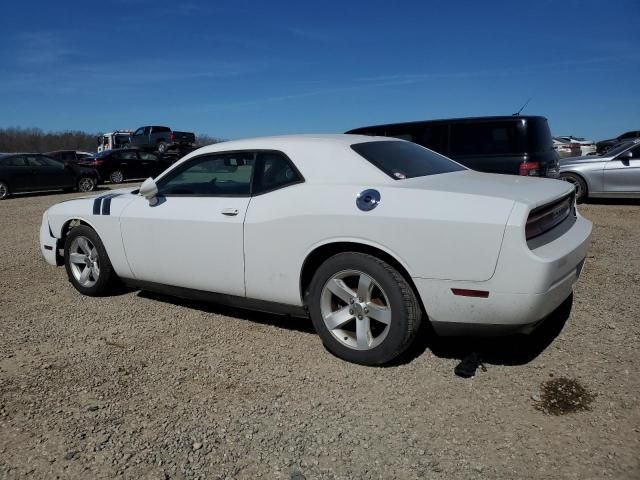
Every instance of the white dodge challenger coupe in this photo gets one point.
(368, 236)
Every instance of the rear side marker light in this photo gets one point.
(464, 292)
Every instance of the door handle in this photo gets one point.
(230, 212)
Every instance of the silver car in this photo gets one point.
(616, 173)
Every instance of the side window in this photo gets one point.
(627, 135)
(213, 175)
(18, 161)
(147, 156)
(275, 171)
(42, 161)
(434, 137)
(139, 131)
(126, 156)
(147, 130)
(485, 138)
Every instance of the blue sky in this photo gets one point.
(239, 69)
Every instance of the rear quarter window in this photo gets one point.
(402, 160)
(487, 138)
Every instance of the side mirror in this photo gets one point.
(625, 156)
(149, 190)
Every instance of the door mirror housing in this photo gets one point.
(149, 190)
(625, 155)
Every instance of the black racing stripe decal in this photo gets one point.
(96, 206)
(106, 203)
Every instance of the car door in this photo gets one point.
(137, 139)
(47, 172)
(150, 165)
(17, 173)
(192, 235)
(622, 173)
(128, 163)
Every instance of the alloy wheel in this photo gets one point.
(355, 309)
(86, 184)
(84, 261)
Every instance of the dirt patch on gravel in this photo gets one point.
(146, 386)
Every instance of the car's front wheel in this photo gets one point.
(363, 308)
(87, 263)
(579, 184)
(86, 184)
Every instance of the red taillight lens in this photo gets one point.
(544, 218)
(529, 169)
(97, 163)
(171, 136)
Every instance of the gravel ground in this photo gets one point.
(145, 386)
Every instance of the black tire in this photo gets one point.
(406, 314)
(582, 191)
(161, 147)
(107, 278)
(117, 176)
(4, 190)
(86, 184)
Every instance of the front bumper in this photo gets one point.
(48, 243)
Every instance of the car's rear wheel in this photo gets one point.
(579, 184)
(116, 176)
(4, 190)
(363, 308)
(87, 263)
(161, 147)
(86, 184)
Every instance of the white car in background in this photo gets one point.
(369, 236)
(566, 148)
(587, 147)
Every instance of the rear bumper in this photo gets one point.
(526, 287)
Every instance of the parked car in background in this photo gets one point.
(517, 145)
(378, 234)
(32, 172)
(69, 157)
(117, 166)
(114, 140)
(604, 145)
(613, 174)
(566, 148)
(587, 147)
(161, 139)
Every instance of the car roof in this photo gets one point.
(497, 118)
(319, 157)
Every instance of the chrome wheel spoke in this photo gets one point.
(341, 290)
(365, 285)
(381, 314)
(84, 245)
(363, 332)
(84, 276)
(78, 258)
(93, 255)
(338, 318)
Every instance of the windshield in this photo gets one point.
(621, 147)
(402, 160)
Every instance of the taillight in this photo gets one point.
(171, 136)
(97, 163)
(529, 169)
(544, 218)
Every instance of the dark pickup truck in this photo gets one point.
(161, 139)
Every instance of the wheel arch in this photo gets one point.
(320, 253)
(582, 177)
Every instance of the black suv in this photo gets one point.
(517, 145)
(127, 164)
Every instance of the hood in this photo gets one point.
(533, 191)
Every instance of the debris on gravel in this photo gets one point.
(144, 386)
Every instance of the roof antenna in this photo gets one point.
(522, 108)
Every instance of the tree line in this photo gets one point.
(18, 139)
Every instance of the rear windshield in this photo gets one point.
(539, 135)
(402, 160)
